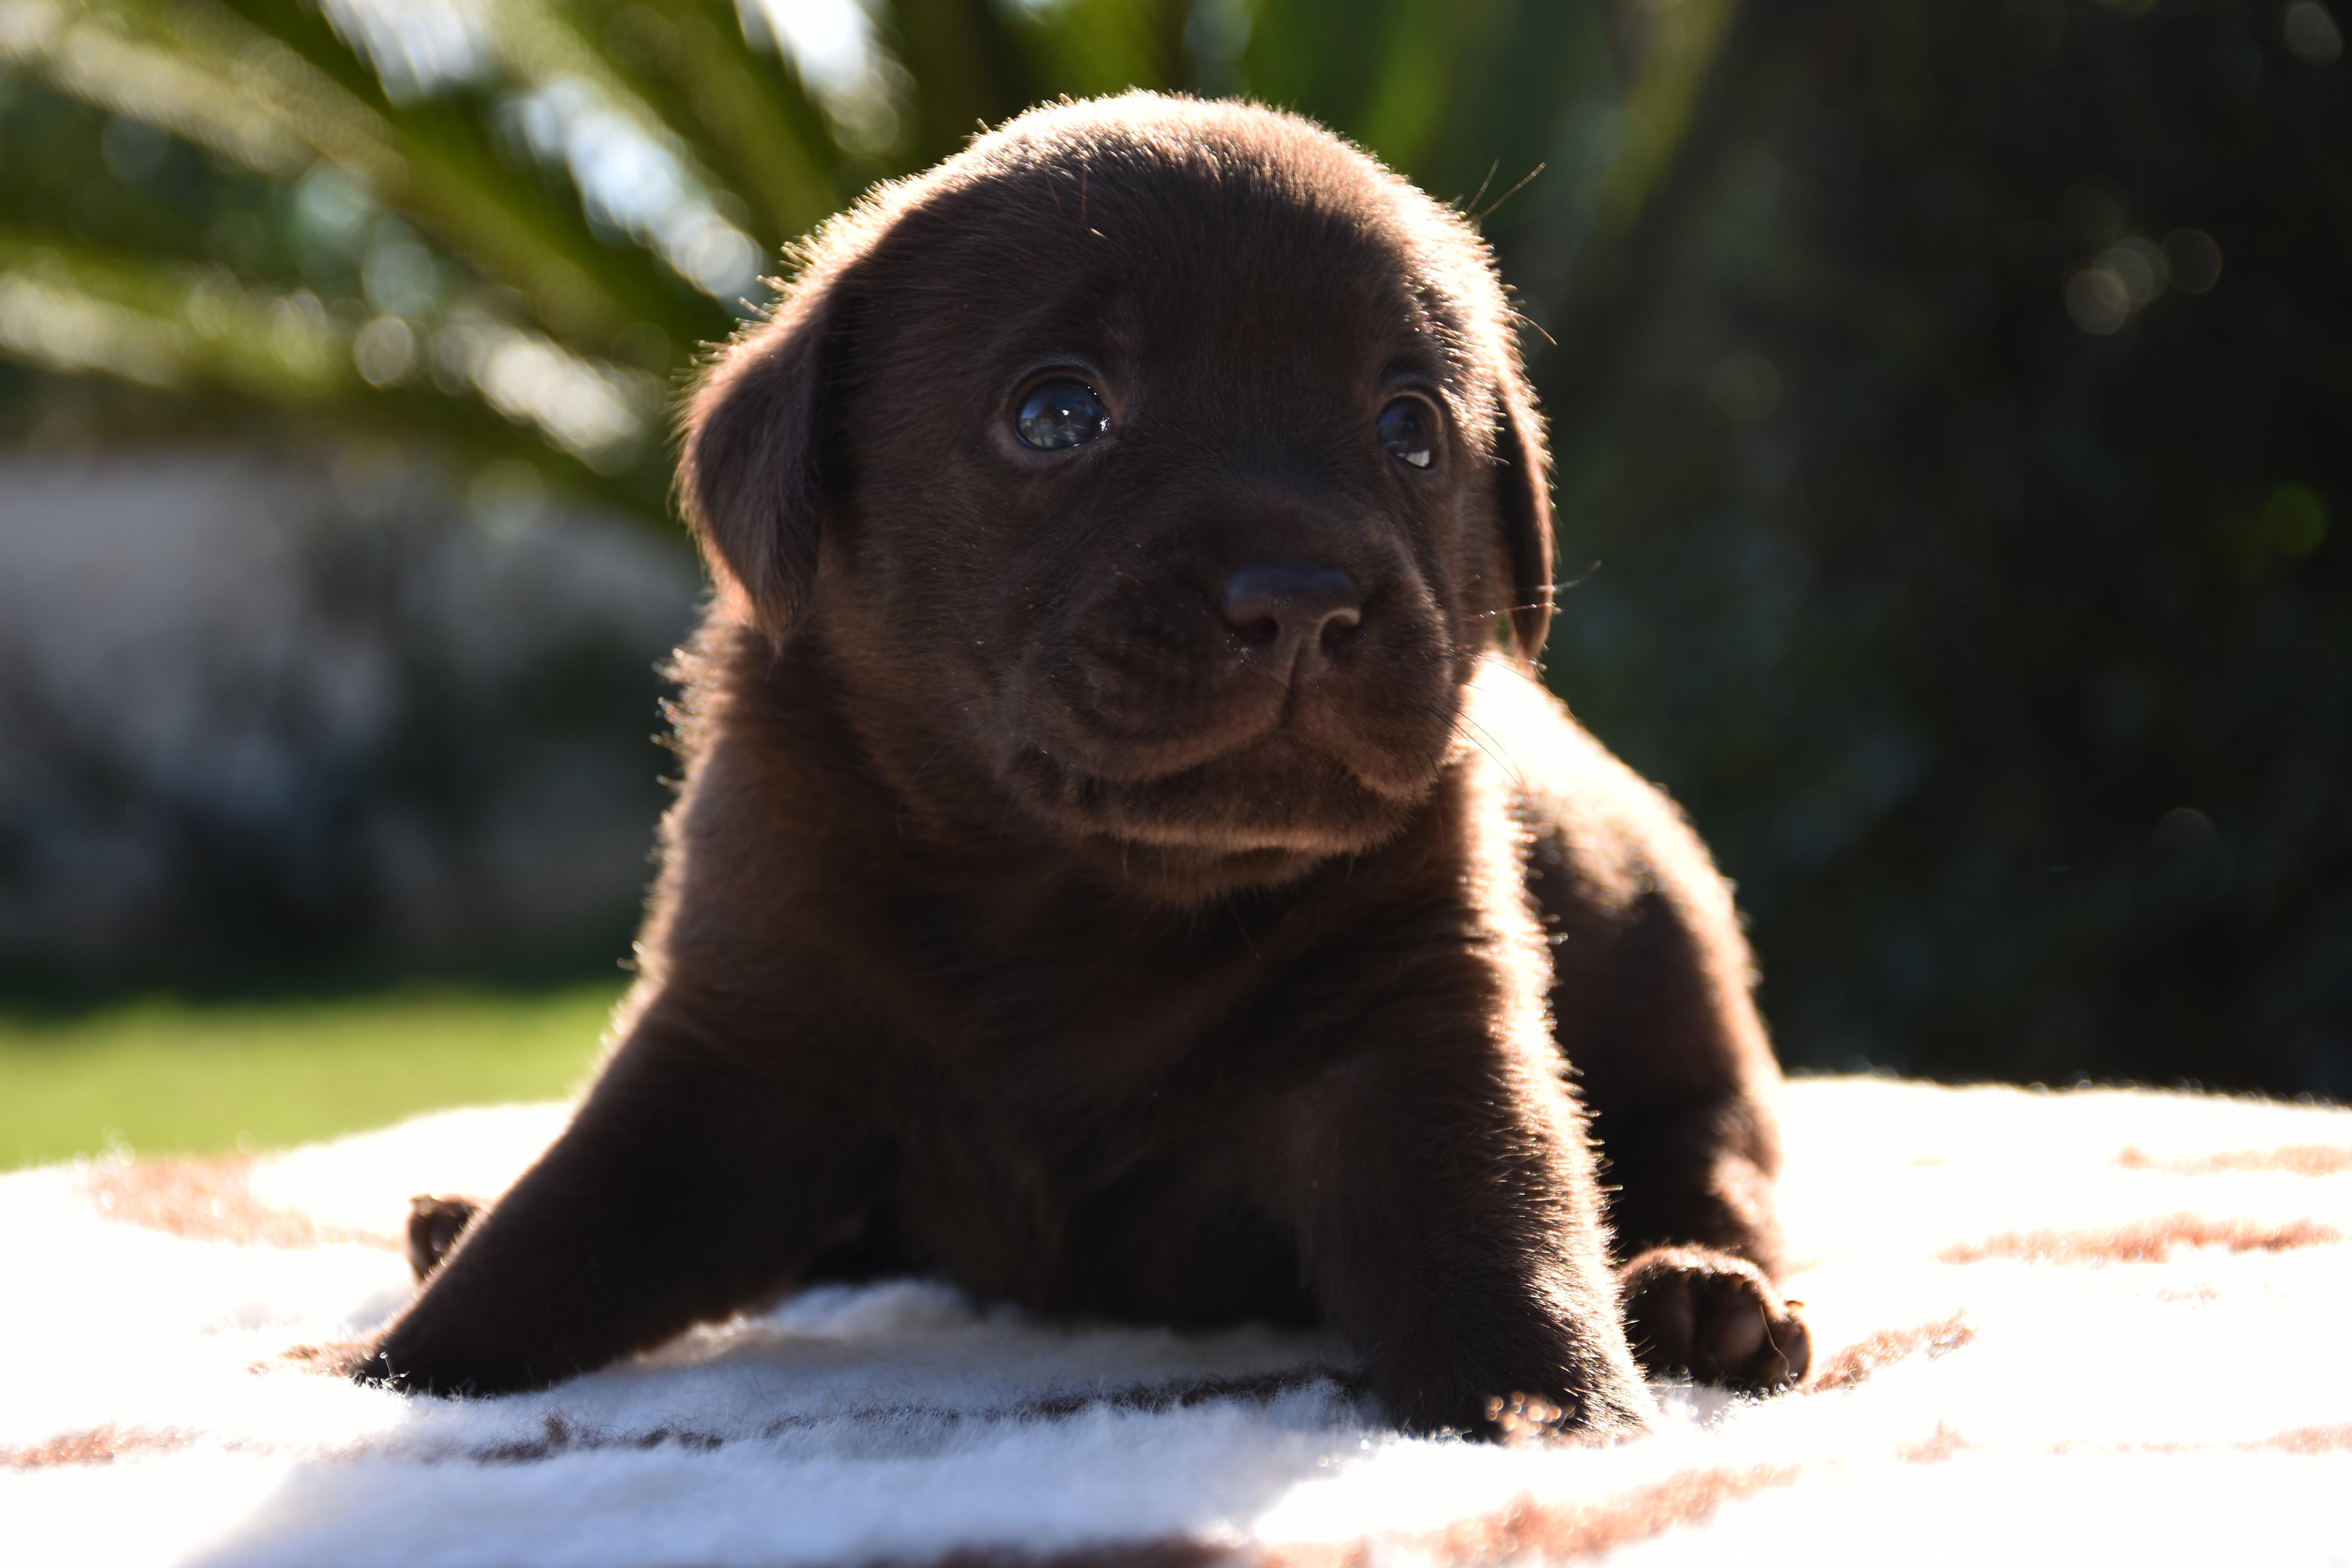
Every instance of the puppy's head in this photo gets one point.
(1164, 467)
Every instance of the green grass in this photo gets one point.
(167, 1075)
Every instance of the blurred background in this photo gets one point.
(1950, 400)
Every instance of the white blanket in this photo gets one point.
(2096, 1326)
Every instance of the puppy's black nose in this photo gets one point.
(1285, 611)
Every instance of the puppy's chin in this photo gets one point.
(1262, 813)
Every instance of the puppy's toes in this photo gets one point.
(434, 1225)
(1691, 1310)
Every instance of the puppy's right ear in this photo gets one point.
(1523, 497)
(750, 478)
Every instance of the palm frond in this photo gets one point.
(582, 191)
(201, 329)
(741, 107)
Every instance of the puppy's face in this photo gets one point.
(1159, 494)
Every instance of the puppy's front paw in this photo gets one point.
(1713, 1316)
(411, 1363)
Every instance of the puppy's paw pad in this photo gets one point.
(1714, 1316)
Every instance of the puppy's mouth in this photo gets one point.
(1272, 793)
(1278, 766)
(1254, 704)
(1299, 710)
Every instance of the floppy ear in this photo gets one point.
(751, 478)
(1523, 505)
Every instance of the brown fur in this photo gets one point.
(1028, 916)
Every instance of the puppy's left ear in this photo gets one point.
(750, 478)
(1523, 505)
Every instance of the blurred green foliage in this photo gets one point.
(1967, 478)
(164, 1076)
(341, 216)
(1949, 394)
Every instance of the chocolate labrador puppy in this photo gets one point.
(1123, 863)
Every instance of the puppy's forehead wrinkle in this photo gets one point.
(1302, 326)
(1066, 314)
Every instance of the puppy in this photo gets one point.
(1123, 863)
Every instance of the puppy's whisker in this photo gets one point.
(1476, 197)
(1478, 217)
(1497, 752)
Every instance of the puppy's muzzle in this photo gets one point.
(1293, 617)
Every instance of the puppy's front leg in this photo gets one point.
(693, 1181)
(1445, 1203)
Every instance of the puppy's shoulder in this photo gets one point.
(760, 727)
(774, 782)
(1618, 835)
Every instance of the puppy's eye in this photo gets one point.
(1408, 430)
(1059, 413)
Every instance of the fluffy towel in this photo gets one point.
(2097, 1325)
